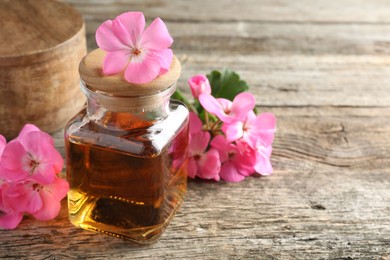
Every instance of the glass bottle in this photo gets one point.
(127, 160)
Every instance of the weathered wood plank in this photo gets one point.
(322, 68)
(292, 214)
(338, 140)
(242, 38)
(300, 80)
(303, 11)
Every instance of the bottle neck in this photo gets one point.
(124, 111)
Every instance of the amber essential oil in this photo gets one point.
(127, 173)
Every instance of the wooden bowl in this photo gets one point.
(42, 43)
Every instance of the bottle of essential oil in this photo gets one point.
(126, 154)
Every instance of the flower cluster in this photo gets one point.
(141, 54)
(29, 182)
(227, 139)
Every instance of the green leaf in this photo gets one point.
(179, 96)
(226, 84)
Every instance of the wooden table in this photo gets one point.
(323, 68)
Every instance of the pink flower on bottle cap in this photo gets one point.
(143, 54)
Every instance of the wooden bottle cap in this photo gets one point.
(91, 73)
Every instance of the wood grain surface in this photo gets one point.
(323, 68)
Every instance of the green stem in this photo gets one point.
(206, 117)
(179, 96)
(215, 125)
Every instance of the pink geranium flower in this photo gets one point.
(9, 218)
(252, 128)
(195, 124)
(199, 84)
(226, 110)
(238, 161)
(263, 164)
(29, 165)
(31, 155)
(3, 142)
(43, 201)
(205, 165)
(143, 55)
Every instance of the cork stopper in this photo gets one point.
(91, 72)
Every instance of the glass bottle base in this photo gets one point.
(87, 214)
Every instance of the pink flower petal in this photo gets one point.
(3, 142)
(36, 141)
(11, 164)
(10, 220)
(50, 207)
(223, 108)
(106, 39)
(233, 131)
(195, 123)
(199, 84)
(16, 197)
(265, 125)
(198, 143)
(209, 165)
(116, 61)
(242, 104)
(51, 196)
(56, 160)
(121, 33)
(132, 25)
(210, 104)
(263, 164)
(43, 174)
(222, 146)
(12, 154)
(144, 71)
(192, 168)
(247, 167)
(45, 152)
(156, 36)
(41, 150)
(35, 202)
(27, 128)
(245, 159)
(229, 173)
(58, 189)
(165, 57)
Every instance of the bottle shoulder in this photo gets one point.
(143, 140)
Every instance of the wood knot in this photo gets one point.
(317, 206)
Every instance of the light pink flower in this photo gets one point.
(31, 155)
(263, 163)
(143, 55)
(237, 160)
(195, 124)
(9, 218)
(252, 128)
(199, 84)
(40, 200)
(3, 142)
(205, 165)
(27, 128)
(226, 110)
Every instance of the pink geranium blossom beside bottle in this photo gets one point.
(227, 139)
(199, 84)
(29, 181)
